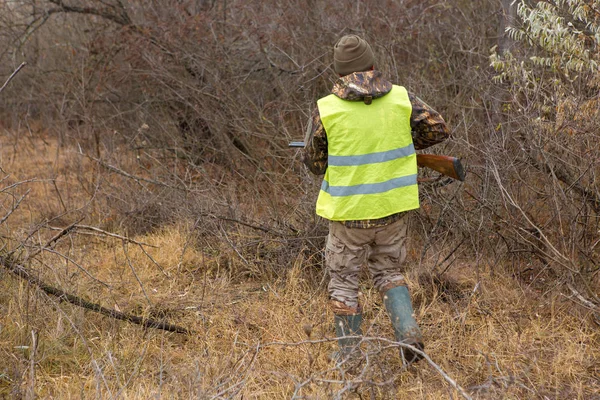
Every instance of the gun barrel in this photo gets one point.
(458, 168)
(296, 144)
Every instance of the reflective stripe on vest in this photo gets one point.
(372, 167)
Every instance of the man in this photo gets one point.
(363, 137)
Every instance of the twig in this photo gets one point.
(237, 221)
(439, 369)
(24, 274)
(243, 381)
(188, 240)
(95, 365)
(126, 252)
(136, 370)
(153, 260)
(233, 246)
(582, 299)
(56, 238)
(447, 257)
(13, 75)
(14, 185)
(438, 223)
(137, 179)
(561, 258)
(30, 394)
(81, 268)
(59, 195)
(14, 207)
(93, 228)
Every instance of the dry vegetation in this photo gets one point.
(144, 169)
(496, 336)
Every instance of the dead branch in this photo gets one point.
(110, 234)
(12, 210)
(137, 179)
(560, 257)
(393, 343)
(14, 185)
(153, 260)
(587, 303)
(59, 235)
(80, 267)
(237, 221)
(561, 172)
(76, 226)
(12, 75)
(24, 274)
(137, 278)
(120, 18)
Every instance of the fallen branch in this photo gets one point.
(24, 274)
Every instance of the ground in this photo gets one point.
(257, 335)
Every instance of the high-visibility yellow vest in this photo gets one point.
(372, 164)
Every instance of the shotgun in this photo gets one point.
(445, 165)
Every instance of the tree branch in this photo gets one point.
(120, 19)
(24, 274)
(12, 75)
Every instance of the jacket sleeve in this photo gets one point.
(428, 126)
(314, 155)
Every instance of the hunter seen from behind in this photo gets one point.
(160, 239)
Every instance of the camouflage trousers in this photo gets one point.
(382, 249)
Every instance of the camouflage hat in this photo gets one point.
(352, 54)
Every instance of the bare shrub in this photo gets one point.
(170, 120)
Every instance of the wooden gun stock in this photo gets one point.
(446, 165)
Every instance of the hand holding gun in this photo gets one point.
(445, 165)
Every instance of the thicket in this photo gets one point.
(216, 89)
(185, 109)
(207, 95)
(550, 185)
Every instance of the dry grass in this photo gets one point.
(497, 337)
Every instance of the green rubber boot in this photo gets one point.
(406, 330)
(347, 325)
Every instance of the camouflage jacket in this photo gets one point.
(427, 125)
